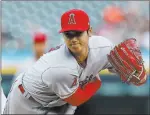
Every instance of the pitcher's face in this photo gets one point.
(77, 41)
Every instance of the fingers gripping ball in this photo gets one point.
(127, 60)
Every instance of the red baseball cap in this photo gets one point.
(74, 19)
(39, 37)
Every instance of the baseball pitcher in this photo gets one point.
(67, 77)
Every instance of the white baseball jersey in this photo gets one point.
(23, 66)
(2, 99)
(57, 75)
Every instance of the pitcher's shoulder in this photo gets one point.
(59, 58)
(99, 41)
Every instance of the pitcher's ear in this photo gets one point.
(90, 31)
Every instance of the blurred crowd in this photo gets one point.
(117, 23)
(122, 23)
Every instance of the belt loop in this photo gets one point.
(27, 95)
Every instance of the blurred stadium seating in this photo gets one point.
(21, 18)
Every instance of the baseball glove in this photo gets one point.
(127, 60)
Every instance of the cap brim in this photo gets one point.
(72, 29)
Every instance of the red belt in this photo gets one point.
(21, 88)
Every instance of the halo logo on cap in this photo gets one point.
(72, 19)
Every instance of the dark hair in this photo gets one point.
(74, 33)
